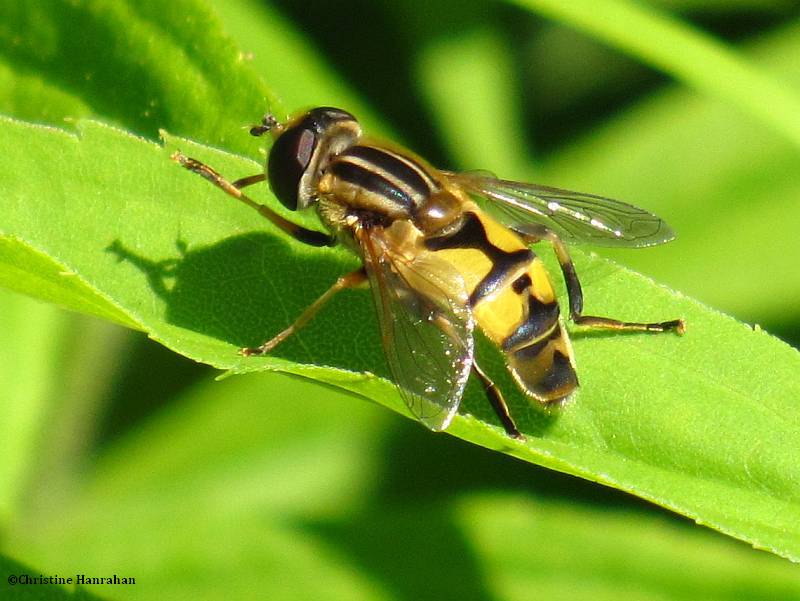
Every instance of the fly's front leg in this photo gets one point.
(234, 189)
(249, 180)
(351, 280)
(575, 293)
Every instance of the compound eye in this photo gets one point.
(288, 160)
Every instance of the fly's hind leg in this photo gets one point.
(575, 293)
(498, 402)
(351, 280)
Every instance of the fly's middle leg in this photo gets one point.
(351, 280)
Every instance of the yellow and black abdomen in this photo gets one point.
(513, 302)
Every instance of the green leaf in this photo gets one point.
(475, 60)
(578, 552)
(705, 424)
(283, 56)
(28, 271)
(648, 154)
(29, 362)
(295, 483)
(730, 214)
(515, 547)
(239, 462)
(55, 372)
(198, 272)
(686, 53)
(144, 65)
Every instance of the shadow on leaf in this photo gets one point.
(245, 289)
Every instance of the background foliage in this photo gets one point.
(121, 457)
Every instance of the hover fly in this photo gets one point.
(444, 253)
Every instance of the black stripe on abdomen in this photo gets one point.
(535, 349)
(472, 234)
(539, 321)
(542, 369)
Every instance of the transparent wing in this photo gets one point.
(426, 328)
(576, 217)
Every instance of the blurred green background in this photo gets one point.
(129, 459)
